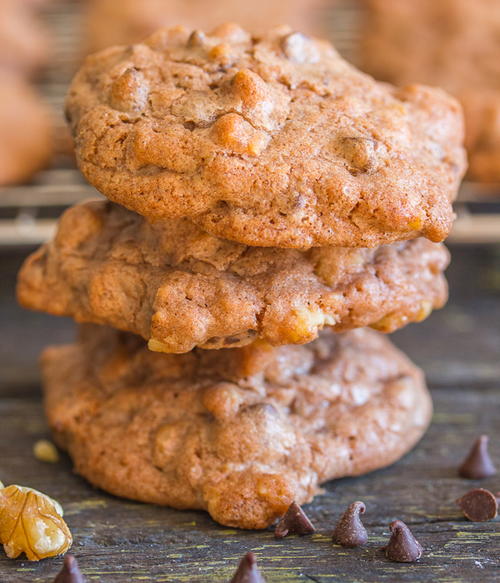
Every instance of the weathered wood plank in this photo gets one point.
(118, 540)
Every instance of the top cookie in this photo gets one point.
(269, 141)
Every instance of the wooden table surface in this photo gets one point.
(117, 540)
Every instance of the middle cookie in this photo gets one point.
(179, 287)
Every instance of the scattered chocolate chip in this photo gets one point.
(70, 572)
(479, 505)
(478, 464)
(294, 521)
(350, 531)
(403, 547)
(247, 571)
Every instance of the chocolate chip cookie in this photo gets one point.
(453, 44)
(240, 433)
(268, 141)
(179, 287)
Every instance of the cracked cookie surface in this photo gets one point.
(269, 141)
(179, 287)
(240, 433)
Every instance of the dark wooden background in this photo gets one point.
(117, 540)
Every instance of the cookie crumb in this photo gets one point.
(45, 451)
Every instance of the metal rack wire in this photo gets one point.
(28, 213)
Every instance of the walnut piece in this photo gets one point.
(32, 523)
(45, 451)
(129, 93)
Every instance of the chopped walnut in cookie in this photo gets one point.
(32, 523)
(191, 120)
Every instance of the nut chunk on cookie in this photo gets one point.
(241, 433)
(179, 287)
(272, 140)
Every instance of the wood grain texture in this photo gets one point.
(117, 540)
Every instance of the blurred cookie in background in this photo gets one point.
(24, 43)
(25, 130)
(482, 115)
(115, 22)
(454, 44)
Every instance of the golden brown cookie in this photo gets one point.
(119, 22)
(24, 44)
(270, 141)
(453, 44)
(25, 130)
(180, 287)
(239, 433)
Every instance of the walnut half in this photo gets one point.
(32, 523)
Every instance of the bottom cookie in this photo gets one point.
(240, 432)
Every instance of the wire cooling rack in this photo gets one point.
(28, 213)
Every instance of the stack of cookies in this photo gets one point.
(275, 203)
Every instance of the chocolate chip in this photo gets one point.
(350, 531)
(479, 505)
(70, 572)
(478, 464)
(196, 39)
(294, 521)
(247, 571)
(403, 547)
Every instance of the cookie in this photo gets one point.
(267, 141)
(24, 44)
(119, 22)
(240, 433)
(25, 127)
(405, 41)
(180, 287)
